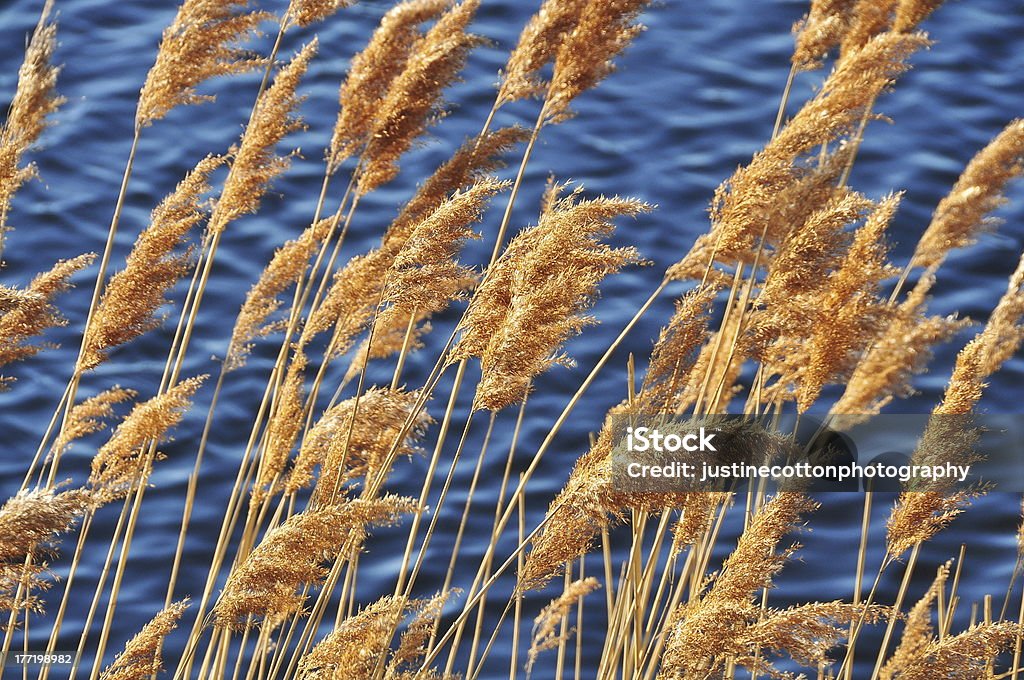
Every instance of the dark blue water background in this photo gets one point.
(693, 98)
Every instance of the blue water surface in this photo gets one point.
(693, 98)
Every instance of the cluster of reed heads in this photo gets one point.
(791, 290)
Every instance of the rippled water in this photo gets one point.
(695, 97)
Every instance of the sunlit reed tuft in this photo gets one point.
(961, 214)
(254, 164)
(132, 297)
(119, 464)
(291, 555)
(34, 101)
(374, 70)
(413, 100)
(586, 56)
(141, 657)
(33, 311)
(202, 43)
(538, 44)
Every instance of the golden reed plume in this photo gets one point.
(586, 55)
(728, 623)
(743, 204)
(413, 100)
(201, 43)
(141, 656)
(306, 12)
(535, 297)
(425, 275)
(961, 215)
(353, 648)
(89, 416)
(286, 267)
(132, 296)
(917, 631)
(379, 419)
(32, 310)
(538, 44)
(903, 350)
(374, 70)
(969, 654)
(119, 464)
(34, 100)
(283, 429)
(30, 523)
(254, 164)
(291, 555)
(821, 31)
(545, 627)
(352, 298)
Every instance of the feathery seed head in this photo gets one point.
(545, 627)
(286, 267)
(413, 99)
(34, 100)
(255, 164)
(32, 311)
(120, 464)
(374, 70)
(89, 416)
(306, 12)
(536, 296)
(820, 31)
(961, 215)
(379, 418)
(30, 523)
(539, 43)
(586, 54)
(201, 43)
(425, 275)
(291, 555)
(141, 657)
(132, 296)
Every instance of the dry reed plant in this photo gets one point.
(32, 311)
(536, 294)
(35, 99)
(785, 307)
(132, 296)
(414, 96)
(290, 556)
(30, 525)
(141, 655)
(545, 627)
(201, 43)
(119, 464)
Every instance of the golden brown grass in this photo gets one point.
(794, 305)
